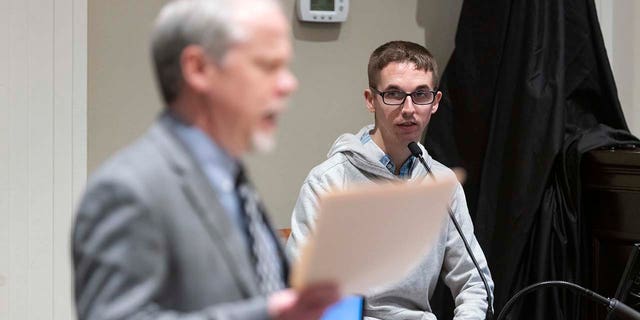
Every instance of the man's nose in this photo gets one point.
(408, 107)
(287, 83)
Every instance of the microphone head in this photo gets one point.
(415, 149)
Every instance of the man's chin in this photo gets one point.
(263, 142)
(405, 139)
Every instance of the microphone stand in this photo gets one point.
(417, 152)
(614, 306)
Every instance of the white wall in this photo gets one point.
(621, 32)
(122, 97)
(330, 62)
(42, 152)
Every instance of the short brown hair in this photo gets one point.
(401, 51)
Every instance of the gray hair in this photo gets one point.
(208, 23)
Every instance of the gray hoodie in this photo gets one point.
(352, 161)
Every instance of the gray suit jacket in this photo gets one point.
(151, 240)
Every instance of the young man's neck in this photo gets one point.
(399, 154)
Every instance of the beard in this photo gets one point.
(263, 141)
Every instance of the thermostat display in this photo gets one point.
(323, 10)
(322, 5)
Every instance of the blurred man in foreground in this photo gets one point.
(170, 228)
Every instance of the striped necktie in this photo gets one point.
(264, 247)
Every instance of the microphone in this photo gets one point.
(417, 152)
(615, 307)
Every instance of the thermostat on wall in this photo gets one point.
(323, 10)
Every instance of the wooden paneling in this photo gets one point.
(4, 164)
(611, 200)
(19, 244)
(42, 152)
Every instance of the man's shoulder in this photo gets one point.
(140, 160)
(439, 168)
(334, 166)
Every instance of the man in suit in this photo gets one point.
(169, 228)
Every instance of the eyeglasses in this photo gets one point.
(397, 97)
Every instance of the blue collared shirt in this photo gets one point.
(385, 159)
(220, 168)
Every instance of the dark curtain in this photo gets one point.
(527, 91)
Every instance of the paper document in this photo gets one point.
(374, 235)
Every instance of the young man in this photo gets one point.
(402, 95)
(169, 228)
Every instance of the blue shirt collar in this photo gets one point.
(207, 153)
(385, 159)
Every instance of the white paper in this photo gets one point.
(372, 236)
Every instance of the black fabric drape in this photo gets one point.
(527, 91)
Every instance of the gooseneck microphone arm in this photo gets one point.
(619, 309)
(417, 152)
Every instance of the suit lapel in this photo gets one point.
(205, 202)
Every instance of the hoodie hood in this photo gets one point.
(351, 147)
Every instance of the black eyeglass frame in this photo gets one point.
(406, 94)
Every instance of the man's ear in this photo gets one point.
(195, 68)
(369, 96)
(436, 102)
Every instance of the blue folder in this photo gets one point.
(349, 308)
